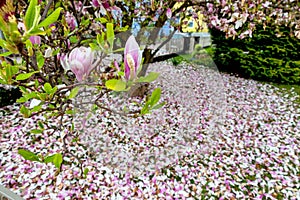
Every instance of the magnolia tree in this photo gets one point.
(238, 18)
(235, 18)
(59, 46)
(53, 61)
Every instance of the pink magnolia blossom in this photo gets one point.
(131, 58)
(70, 19)
(169, 13)
(96, 3)
(80, 61)
(35, 40)
(105, 4)
(116, 64)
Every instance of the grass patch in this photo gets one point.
(201, 56)
(288, 89)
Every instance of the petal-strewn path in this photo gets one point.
(256, 156)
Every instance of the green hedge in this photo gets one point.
(8, 96)
(263, 57)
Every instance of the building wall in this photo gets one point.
(192, 25)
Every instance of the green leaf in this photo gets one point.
(155, 96)
(36, 108)
(5, 53)
(85, 172)
(29, 46)
(30, 14)
(40, 60)
(119, 50)
(8, 72)
(56, 159)
(110, 34)
(30, 95)
(42, 96)
(157, 106)
(152, 76)
(100, 39)
(23, 89)
(54, 90)
(40, 124)
(55, 52)
(51, 18)
(85, 22)
(48, 88)
(28, 155)
(24, 111)
(37, 18)
(102, 20)
(51, 106)
(145, 109)
(73, 93)
(36, 131)
(3, 43)
(116, 85)
(73, 39)
(48, 159)
(21, 100)
(94, 46)
(121, 73)
(22, 77)
(36, 31)
(14, 70)
(70, 112)
(3, 81)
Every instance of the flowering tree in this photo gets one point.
(236, 18)
(49, 50)
(61, 44)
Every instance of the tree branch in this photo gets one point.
(164, 57)
(164, 42)
(46, 10)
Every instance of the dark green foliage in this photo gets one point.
(177, 60)
(9, 96)
(263, 57)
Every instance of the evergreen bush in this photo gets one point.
(8, 95)
(265, 56)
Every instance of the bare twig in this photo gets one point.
(133, 113)
(46, 10)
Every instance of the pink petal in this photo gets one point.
(132, 48)
(78, 69)
(35, 39)
(169, 13)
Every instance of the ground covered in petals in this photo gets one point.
(255, 154)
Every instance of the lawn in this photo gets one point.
(289, 90)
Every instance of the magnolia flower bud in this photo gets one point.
(131, 58)
(116, 64)
(169, 13)
(35, 40)
(95, 3)
(70, 19)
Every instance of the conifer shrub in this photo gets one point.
(8, 95)
(265, 56)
